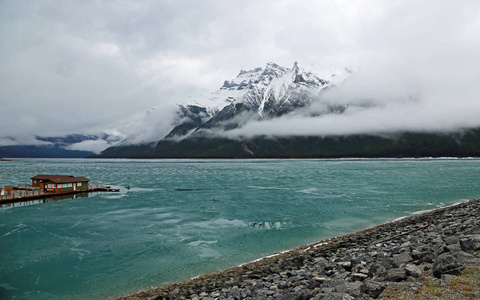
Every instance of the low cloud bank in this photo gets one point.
(150, 127)
(95, 146)
(22, 140)
(378, 103)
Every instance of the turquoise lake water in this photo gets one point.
(182, 218)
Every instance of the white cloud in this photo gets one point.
(178, 70)
(96, 146)
(105, 49)
(82, 66)
(150, 127)
(393, 117)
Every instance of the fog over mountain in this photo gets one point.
(281, 112)
(91, 67)
(369, 103)
(386, 104)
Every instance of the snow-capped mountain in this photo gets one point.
(259, 93)
(208, 127)
(270, 90)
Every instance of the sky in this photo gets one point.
(122, 66)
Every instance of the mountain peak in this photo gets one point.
(267, 88)
(259, 93)
(274, 70)
(256, 70)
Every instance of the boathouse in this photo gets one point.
(60, 183)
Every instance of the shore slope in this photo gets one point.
(426, 255)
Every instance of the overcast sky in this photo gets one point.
(90, 66)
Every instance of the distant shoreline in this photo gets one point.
(293, 158)
(353, 158)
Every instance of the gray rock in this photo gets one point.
(359, 276)
(304, 295)
(341, 288)
(396, 275)
(413, 270)
(246, 293)
(296, 278)
(473, 229)
(454, 248)
(337, 296)
(439, 248)
(446, 263)
(282, 285)
(285, 297)
(413, 286)
(347, 265)
(334, 283)
(427, 258)
(417, 254)
(354, 289)
(327, 290)
(372, 288)
(450, 240)
(235, 294)
(470, 242)
(321, 279)
(426, 266)
(377, 270)
(401, 259)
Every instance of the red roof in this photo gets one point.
(60, 178)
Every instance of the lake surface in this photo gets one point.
(182, 218)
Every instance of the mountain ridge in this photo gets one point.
(69, 146)
(202, 125)
(464, 143)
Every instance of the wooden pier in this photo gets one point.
(27, 193)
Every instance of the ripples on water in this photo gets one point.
(184, 218)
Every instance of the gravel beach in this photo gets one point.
(425, 256)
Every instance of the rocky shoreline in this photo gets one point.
(395, 258)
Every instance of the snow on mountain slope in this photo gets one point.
(272, 87)
(261, 93)
(228, 93)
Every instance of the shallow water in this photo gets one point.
(182, 218)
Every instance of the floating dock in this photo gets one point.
(27, 193)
